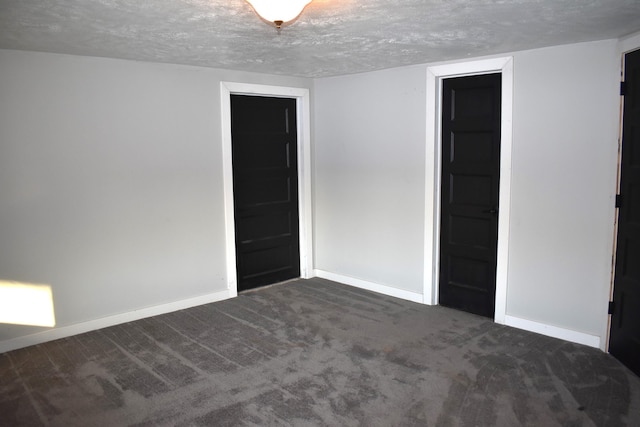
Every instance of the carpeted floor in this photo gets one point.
(311, 353)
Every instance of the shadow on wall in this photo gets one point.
(26, 304)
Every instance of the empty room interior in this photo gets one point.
(407, 212)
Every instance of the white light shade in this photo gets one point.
(279, 10)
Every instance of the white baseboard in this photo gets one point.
(516, 322)
(370, 286)
(553, 331)
(92, 325)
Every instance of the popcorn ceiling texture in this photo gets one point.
(331, 37)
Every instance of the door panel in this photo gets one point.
(474, 147)
(624, 340)
(469, 196)
(475, 232)
(265, 189)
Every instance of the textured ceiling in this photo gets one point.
(331, 37)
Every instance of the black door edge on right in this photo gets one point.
(624, 336)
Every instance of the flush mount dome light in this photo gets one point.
(278, 11)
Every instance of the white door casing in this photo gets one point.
(435, 75)
(304, 171)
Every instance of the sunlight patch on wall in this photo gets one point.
(26, 304)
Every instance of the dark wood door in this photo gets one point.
(265, 189)
(624, 340)
(469, 195)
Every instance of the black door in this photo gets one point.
(624, 340)
(469, 194)
(265, 189)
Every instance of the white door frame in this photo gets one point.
(435, 75)
(303, 118)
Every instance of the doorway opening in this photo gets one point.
(302, 157)
(469, 203)
(435, 78)
(265, 189)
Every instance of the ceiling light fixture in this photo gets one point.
(279, 11)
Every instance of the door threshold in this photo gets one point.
(271, 285)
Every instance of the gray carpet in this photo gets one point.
(309, 353)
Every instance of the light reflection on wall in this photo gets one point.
(26, 304)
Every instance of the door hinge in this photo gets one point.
(623, 88)
(612, 307)
(618, 200)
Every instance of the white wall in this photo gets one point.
(369, 160)
(369, 181)
(566, 112)
(111, 183)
